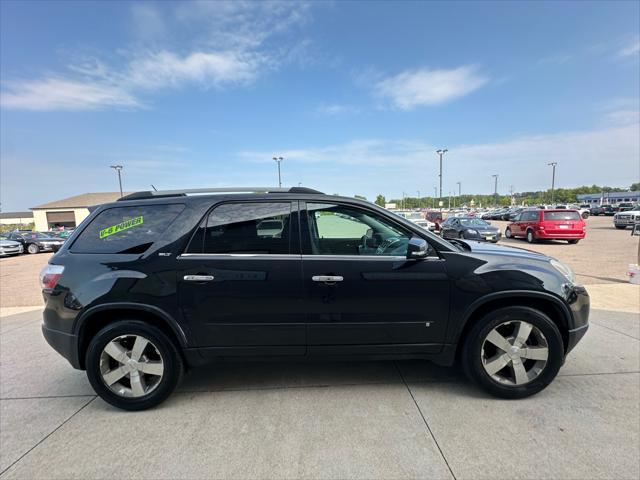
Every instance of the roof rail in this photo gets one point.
(196, 191)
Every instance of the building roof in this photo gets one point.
(84, 200)
(597, 196)
(6, 215)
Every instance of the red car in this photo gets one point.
(558, 224)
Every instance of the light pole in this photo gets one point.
(441, 152)
(553, 178)
(278, 160)
(435, 194)
(418, 198)
(459, 191)
(118, 168)
(495, 188)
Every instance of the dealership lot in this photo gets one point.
(334, 420)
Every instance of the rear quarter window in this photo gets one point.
(551, 216)
(129, 229)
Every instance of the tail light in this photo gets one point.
(50, 275)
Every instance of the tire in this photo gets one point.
(531, 237)
(585, 215)
(572, 242)
(32, 248)
(478, 353)
(507, 233)
(621, 227)
(160, 354)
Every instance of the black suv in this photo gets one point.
(161, 281)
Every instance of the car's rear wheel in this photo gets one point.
(585, 215)
(33, 248)
(133, 365)
(513, 352)
(572, 242)
(531, 238)
(507, 233)
(621, 227)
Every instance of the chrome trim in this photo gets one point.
(240, 256)
(327, 278)
(198, 278)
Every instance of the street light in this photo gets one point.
(441, 152)
(553, 178)
(459, 191)
(495, 190)
(435, 194)
(278, 160)
(117, 168)
(418, 198)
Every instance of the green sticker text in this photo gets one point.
(132, 222)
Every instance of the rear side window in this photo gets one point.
(570, 215)
(247, 228)
(130, 229)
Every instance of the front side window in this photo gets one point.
(340, 230)
(246, 228)
(130, 229)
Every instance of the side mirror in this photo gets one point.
(417, 248)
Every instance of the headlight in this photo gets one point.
(564, 270)
(472, 231)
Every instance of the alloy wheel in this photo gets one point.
(131, 366)
(514, 353)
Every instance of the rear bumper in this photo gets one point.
(64, 343)
(541, 234)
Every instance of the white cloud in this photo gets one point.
(335, 109)
(64, 94)
(387, 166)
(426, 87)
(227, 44)
(630, 50)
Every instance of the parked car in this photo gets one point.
(609, 210)
(36, 242)
(435, 217)
(9, 247)
(547, 224)
(470, 228)
(596, 210)
(419, 219)
(497, 214)
(623, 207)
(162, 280)
(627, 218)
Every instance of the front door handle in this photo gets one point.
(327, 278)
(198, 278)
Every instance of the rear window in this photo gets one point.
(569, 215)
(131, 229)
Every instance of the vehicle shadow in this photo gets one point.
(305, 374)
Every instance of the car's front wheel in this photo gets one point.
(621, 227)
(33, 248)
(133, 365)
(507, 233)
(513, 352)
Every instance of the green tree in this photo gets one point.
(380, 200)
(635, 187)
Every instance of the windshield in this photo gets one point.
(569, 215)
(473, 222)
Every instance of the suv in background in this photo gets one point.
(161, 281)
(627, 218)
(547, 224)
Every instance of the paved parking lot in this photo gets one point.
(406, 419)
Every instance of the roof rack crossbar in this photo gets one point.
(196, 191)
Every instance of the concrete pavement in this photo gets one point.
(325, 420)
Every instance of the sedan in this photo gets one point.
(36, 242)
(470, 228)
(9, 247)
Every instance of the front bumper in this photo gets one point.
(580, 304)
(488, 237)
(64, 343)
(5, 252)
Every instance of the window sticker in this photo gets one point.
(112, 230)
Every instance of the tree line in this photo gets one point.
(560, 195)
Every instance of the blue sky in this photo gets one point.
(356, 96)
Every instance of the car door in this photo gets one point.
(363, 294)
(515, 226)
(445, 228)
(240, 280)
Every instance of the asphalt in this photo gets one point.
(386, 420)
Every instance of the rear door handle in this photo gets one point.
(327, 278)
(198, 278)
